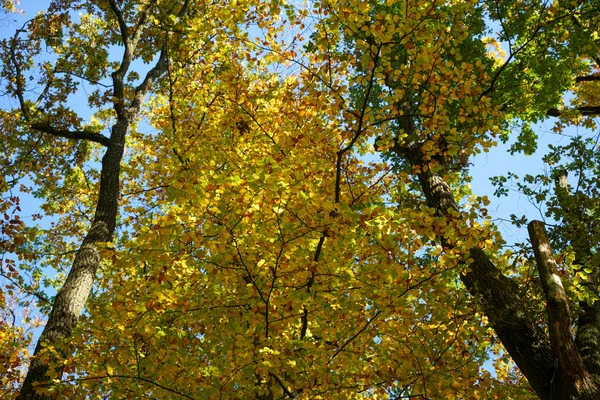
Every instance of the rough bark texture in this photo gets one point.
(577, 379)
(587, 339)
(71, 298)
(526, 341)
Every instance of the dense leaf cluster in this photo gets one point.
(250, 199)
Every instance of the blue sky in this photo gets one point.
(499, 162)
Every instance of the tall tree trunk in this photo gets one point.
(577, 228)
(71, 298)
(578, 382)
(526, 341)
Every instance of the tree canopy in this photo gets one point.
(251, 199)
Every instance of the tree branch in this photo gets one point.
(122, 23)
(77, 135)
(559, 315)
(19, 79)
(587, 78)
(583, 110)
(156, 72)
(285, 390)
(588, 323)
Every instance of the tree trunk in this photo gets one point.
(577, 228)
(71, 298)
(578, 382)
(526, 341)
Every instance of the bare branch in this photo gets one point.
(285, 390)
(587, 78)
(583, 110)
(77, 135)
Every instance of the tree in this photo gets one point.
(81, 48)
(251, 244)
(556, 369)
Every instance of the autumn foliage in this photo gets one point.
(271, 200)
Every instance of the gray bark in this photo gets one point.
(71, 298)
